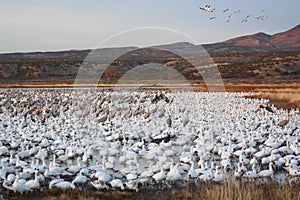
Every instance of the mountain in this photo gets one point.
(284, 40)
(237, 59)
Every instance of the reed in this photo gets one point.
(239, 190)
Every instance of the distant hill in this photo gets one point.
(261, 41)
(238, 61)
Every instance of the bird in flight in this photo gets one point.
(262, 17)
(207, 8)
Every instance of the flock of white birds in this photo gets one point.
(125, 140)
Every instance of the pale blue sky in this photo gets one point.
(42, 25)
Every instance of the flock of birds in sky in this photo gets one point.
(108, 140)
(246, 18)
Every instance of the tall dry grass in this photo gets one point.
(285, 98)
(291, 98)
(238, 190)
(244, 191)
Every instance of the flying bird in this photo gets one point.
(207, 8)
(225, 10)
(262, 17)
(212, 18)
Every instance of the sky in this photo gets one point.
(51, 25)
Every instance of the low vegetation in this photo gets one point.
(232, 190)
(286, 98)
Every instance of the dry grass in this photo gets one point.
(291, 99)
(232, 190)
(284, 97)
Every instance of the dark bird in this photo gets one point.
(292, 133)
(268, 108)
(164, 97)
(165, 139)
(169, 121)
(146, 115)
(102, 119)
(283, 122)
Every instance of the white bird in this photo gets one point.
(218, 176)
(3, 150)
(192, 172)
(75, 168)
(160, 176)
(55, 181)
(10, 179)
(20, 163)
(251, 174)
(294, 170)
(268, 172)
(34, 184)
(117, 183)
(80, 179)
(131, 176)
(207, 8)
(65, 185)
(18, 186)
(207, 175)
(101, 175)
(173, 175)
(99, 185)
(132, 185)
(3, 171)
(147, 173)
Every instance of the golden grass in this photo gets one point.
(232, 190)
(292, 99)
(284, 97)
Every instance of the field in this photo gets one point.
(205, 145)
(201, 150)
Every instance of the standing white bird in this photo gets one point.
(34, 184)
(268, 172)
(18, 186)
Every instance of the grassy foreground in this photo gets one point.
(231, 190)
(286, 98)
